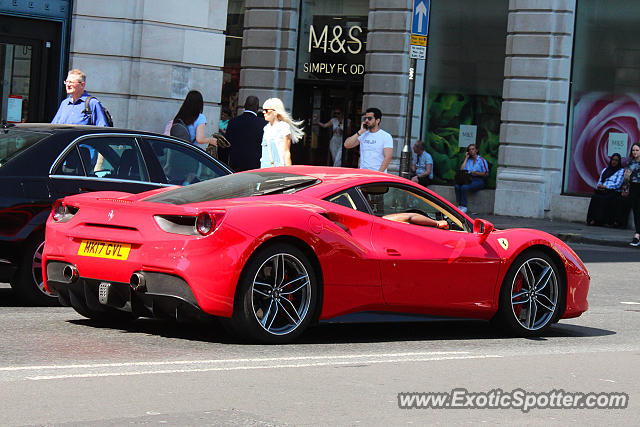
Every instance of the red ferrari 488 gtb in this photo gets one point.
(273, 250)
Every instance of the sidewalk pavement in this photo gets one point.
(570, 232)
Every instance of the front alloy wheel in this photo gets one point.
(531, 294)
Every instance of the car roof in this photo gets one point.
(63, 128)
(334, 178)
(334, 174)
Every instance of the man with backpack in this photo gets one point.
(79, 108)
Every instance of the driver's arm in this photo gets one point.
(417, 219)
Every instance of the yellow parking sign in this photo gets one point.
(418, 40)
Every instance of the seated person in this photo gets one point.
(478, 168)
(421, 165)
(605, 207)
(417, 219)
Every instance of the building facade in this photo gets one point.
(547, 89)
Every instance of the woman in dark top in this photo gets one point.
(190, 114)
(631, 186)
(606, 198)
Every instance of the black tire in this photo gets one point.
(27, 283)
(527, 310)
(275, 308)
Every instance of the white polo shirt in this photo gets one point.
(372, 145)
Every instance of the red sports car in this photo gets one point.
(271, 251)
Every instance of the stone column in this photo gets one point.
(386, 78)
(141, 57)
(269, 47)
(535, 107)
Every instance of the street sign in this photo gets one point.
(420, 19)
(417, 52)
(418, 40)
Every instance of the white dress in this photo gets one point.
(273, 144)
(335, 144)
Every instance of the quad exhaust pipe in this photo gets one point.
(138, 282)
(70, 273)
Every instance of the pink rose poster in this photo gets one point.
(595, 116)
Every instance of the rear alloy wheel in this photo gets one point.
(532, 295)
(28, 283)
(278, 295)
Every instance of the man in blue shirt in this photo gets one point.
(421, 165)
(71, 110)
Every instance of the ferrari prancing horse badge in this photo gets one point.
(504, 243)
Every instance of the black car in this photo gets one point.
(40, 163)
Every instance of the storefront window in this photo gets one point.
(15, 70)
(465, 74)
(329, 79)
(332, 40)
(605, 94)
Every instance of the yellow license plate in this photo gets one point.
(100, 249)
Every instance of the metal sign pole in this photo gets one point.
(417, 50)
(406, 150)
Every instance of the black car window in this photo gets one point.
(183, 165)
(14, 141)
(385, 199)
(244, 184)
(350, 199)
(110, 157)
(71, 165)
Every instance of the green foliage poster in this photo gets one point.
(447, 111)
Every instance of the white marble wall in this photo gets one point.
(141, 57)
(535, 108)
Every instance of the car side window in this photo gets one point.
(183, 165)
(109, 157)
(71, 165)
(350, 199)
(384, 199)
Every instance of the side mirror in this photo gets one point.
(482, 228)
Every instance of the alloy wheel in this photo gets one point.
(36, 271)
(281, 294)
(534, 294)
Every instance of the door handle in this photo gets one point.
(393, 252)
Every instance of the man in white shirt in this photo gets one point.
(376, 145)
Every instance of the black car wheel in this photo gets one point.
(532, 295)
(278, 294)
(28, 284)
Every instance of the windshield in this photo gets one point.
(235, 186)
(14, 141)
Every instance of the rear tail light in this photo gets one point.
(202, 224)
(62, 212)
(205, 223)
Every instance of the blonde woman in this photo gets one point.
(279, 133)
